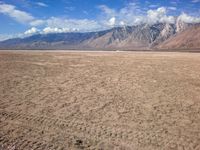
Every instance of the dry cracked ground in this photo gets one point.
(99, 100)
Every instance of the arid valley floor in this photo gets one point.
(99, 100)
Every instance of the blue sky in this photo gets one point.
(26, 17)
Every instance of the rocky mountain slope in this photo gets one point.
(144, 36)
(187, 39)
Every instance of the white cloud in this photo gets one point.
(37, 22)
(48, 30)
(5, 37)
(159, 15)
(130, 14)
(189, 19)
(10, 36)
(133, 14)
(31, 31)
(122, 23)
(112, 21)
(41, 4)
(80, 24)
(108, 11)
(18, 15)
(56, 30)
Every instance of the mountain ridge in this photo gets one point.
(188, 38)
(143, 36)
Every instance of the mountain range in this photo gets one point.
(179, 35)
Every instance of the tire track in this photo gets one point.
(30, 137)
(8, 142)
(98, 133)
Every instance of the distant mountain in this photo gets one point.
(187, 39)
(138, 37)
(129, 37)
(49, 41)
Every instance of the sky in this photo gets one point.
(19, 18)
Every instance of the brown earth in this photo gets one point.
(99, 100)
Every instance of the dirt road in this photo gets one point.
(99, 100)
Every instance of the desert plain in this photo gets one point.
(99, 100)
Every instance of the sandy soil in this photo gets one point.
(99, 100)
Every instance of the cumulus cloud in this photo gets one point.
(31, 31)
(133, 14)
(48, 30)
(130, 14)
(53, 22)
(159, 15)
(122, 23)
(41, 4)
(56, 30)
(112, 21)
(189, 19)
